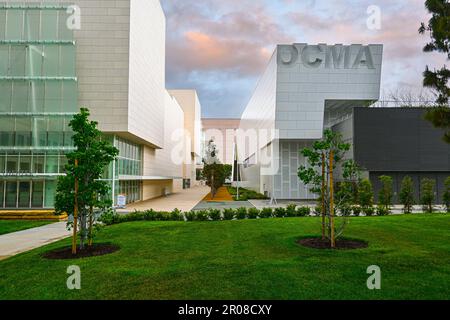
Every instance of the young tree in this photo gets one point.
(427, 196)
(365, 194)
(438, 28)
(85, 168)
(446, 196)
(385, 193)
(407, 194)
(323, 158)
(213, 171)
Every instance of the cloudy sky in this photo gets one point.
(221, 47)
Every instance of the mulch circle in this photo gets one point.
(343, 244)
(94, 251)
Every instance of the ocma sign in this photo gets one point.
(330, 57)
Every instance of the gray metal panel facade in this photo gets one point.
(398, 139)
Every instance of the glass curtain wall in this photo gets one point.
(38, 97)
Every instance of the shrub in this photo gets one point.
(110, 217)
(176, 215)
(317, 210)
(266, 213)
(382, 211)
(345, 210)
(385, 193)
(427, 194)
(407, 194)
(241, 213)
(291, 210)
(215, 214)
(369, 211)
(446, 196)
(202, 215)
(190, 216)
(356, 210)
(253, 213)
(303, 211)
(150, 215)
(365, 193)
(279, 212)
(228, 214)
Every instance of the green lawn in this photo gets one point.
(8, 226)
(250, 259)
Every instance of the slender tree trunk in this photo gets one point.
(91, 221)
(323, 196)
(75, 215)
(333, 240)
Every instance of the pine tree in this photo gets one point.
(407, 194)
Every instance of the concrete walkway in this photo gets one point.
(185, 200)
(25, 240)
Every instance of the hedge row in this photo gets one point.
(111, 217)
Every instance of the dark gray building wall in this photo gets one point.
(399, 142)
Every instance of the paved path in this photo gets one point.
(184, 201)
(25, 240)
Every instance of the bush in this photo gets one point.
(291, 210)
(356, 210)
(446, 196)
(407, 194)
(365, 193)
(382, 211)
(228, 214)
(369, 211)
(241, 213)
(266, 213)
(345, 210)
(110, 217)
(253, 213)
(150, 215)
(245, 194)
(427, 194)
(202, 215)
(176, 215)
(303, 211)
(190, 216)
(279, 212)
(215, 214)
(317, 210)
(385, 194)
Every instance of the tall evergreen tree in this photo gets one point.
(439, 29)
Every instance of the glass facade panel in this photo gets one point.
(51, 61)
(17, 60)
(34, 61)
(5, 96)
(20, 96)
(49, 24)
(51, 164)
(2, 162)
(6, 132)
(70, 96)
(32, 19)
(24, 194)
(38, 163)
(23, 132)
(2, 193)
(25, 164)
(14, 23)
(12, 164)
(11, 194)
(36, 96)
(4, 58)
(67, 63)
(2, 27)
(37, 196)
(50, 188)
(53, 96)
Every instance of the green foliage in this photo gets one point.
(266, 213)
(241, 213)
(253, 213)
(110, 217)
(438, 28)
(382, 211)
(303, 211)
(356, 210)
(228, 214)
(94, 154)
(176, 215)
(215, 214)
(427, 196)
(213, 171)
(291, 210)
(190, 216)
(279, 212)
(365, 193)
(245, 194)
(227, 171)
(385, 194)
(446, 196)
(407, 194)
(368, 211)
(345, 210)
(202, 215)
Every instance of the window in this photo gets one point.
(39, 134)
(24, 194)
(64, 32)
(14, 24)
(12, 163)
(4, 58)
(2, 163)
(53, 96)
(2, 185)
(25, 164)
(2, 37)
(32, 22)
(51, 164)
(36, 96)
(67, 63)
(34, 61)
(38, 163)
(20, 96)
(17, 61)
(51, 61)
(49, 24)
(5, 95)
(23, 132)
(50, 189)
(37, 196)
(70, 96)
(7, 131)
(11, 194)
(55, 132)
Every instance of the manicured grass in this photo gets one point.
(249, 259)
(8, 226)
(245, 194)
